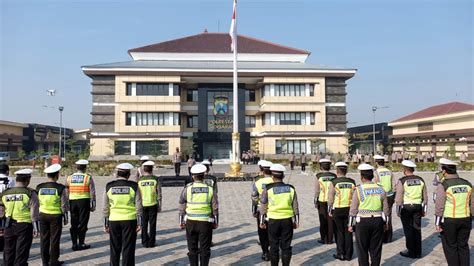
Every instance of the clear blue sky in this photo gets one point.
(409, 54)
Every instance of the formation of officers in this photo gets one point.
(131, 206)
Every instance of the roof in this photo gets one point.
(217, 43)
(438, 110)
(13, 124)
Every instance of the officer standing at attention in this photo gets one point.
(19, 215)
(123, 214)
(81, 192)
(412, 200)
(5, 182)
(368, 213)
(257, 189)
(384, 177)
(339, 202)
(321, 201)
(140, 170)
(279, 205)
(210, 180)
(198, 214)
(53, 208)
(454, 209)
(150, 190)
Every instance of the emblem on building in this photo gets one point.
(221, 105)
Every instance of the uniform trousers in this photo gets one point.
(123, 236)
(18, 238)
(149, 219)
(280, 235)
(262, 235)
(50, 231)
(369, 232)
(199, 237)
(411, 222)
(303, 167)
(80, 212)
(344, 245)
(177, 168)
(388, 234)
(455, 238)
(292, 165)
(325, 223)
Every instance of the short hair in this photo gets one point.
(325, 166)
(53, 175)
(81, 167)
(23, 178)
(148, 168)
(411, 169)
(4, 168)
(123, 173)
(278, 175)
(367, 174)
(450, 169)
(341, 169)
(266, 170)
(380, 162)
(199, 176)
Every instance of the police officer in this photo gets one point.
(150, 190)
(384, 177)
(122, 213)
(81, 193)
(198, 214)
(140, 170)
(257, 188)
(19, 214)
(453, 214)
(210, 180)
(368, 213)
(5, 182)
(412, 200)
(279, 205)
(339, 201)
(321, 201)
(53, 208)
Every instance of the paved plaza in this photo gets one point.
(236, 238)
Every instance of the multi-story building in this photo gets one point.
(178, 93)
(362, 138)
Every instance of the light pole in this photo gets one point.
(61, 108)
(374, 109)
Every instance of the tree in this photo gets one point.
(451, 149)
(315, 143)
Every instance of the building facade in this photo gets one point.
(179, 94)
(11, 136)
(362, 138)
(439, 129)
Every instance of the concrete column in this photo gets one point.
(133, 147)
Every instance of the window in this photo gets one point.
(176, 119)
(425, 127)
(266, 90)
(153, 147)
(266, 119)
(288, 146)
(176, 90)
(122, 147)
(129, 89)
(151, 89)
(289, 89)
(249, 121)
(192, 121)
(312, 118)
(311, 90)
(128, 119)
(152, 119)
(192, 96)
(249, 95)
(290, 118)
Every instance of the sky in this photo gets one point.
(409, 54)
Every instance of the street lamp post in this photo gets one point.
(61, 108)
(374, 109)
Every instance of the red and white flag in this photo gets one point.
(233, 28)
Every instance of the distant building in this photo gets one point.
(361, 138)
(436, 129)
(81, 140)
(11, 136)
(44, 138)
(178, 93)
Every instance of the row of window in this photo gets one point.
(289, 118)
(299, 146)
(288, 90)
(152, 89)
(152, 119)
(154, 147)
(192, 95)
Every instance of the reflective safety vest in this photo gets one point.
(280, 200)
(148, 189)
(78, 186)
(121, 194)
(16, 201)
(370, 200)
(324, 178)
(385, 179)
(198, 201)
(458, 195)
(49, 196)
(412, 189)
(211, 181)
(261, 184)
(343, 187)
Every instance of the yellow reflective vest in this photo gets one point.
(148, 188)
(49, 197)
(324, 179)
(280, 200)
(412, 189)
(343, 187)
(121, 195)
(16, 201)
(458, 195)
(370, 196)
(198, 201)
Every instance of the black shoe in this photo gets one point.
(339, 257)
(75, 248)
(265, 257)
(84, 246)
(407, 255)
(321, 241)
(151, 246)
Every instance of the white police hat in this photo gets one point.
(341, 164)
(144, 158)
(198, 169)
(364, 166)
(378, 157)
(408, 163)
(24, 172)
(149, 163)
(82, 162)
(206, 162)
(446, 162)
(125, 166)
(259, 163)
(267, 164)
(52, 168)
(277, 168)
(324, 160)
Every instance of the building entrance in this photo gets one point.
(220, 150)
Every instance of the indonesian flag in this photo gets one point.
(233, 28)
